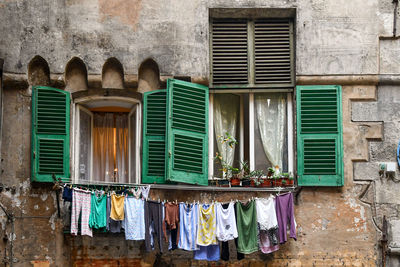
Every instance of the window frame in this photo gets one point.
(74, 149)
(289, 130)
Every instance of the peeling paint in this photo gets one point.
(126, 11)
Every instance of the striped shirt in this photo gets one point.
(188, 218)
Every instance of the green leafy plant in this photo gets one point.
(228, 170)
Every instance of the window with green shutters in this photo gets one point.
(176, 124)
(50, 134)
(319, 135)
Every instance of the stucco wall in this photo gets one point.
(336, 226)
(333, 37)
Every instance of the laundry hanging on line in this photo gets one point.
(255, 224)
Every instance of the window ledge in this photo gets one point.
(222, 189)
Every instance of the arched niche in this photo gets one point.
(76, 75)
(149, 76)
(38, 71)
(112, 75)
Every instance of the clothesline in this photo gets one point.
(128, 188)
(197, 227)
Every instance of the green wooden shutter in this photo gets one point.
(187, 128)
(319, 135)
(50, 134)
(154, 131)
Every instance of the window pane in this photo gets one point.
(84, 145)
(270, 131)
(226, 120)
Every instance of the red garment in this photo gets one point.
(171, 220)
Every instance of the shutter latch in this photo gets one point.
(169, 153)
(34, 154)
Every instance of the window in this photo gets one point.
(106, 138)
(252, 78)
(262, 124)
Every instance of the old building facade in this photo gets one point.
(94, 49)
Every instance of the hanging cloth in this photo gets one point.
(247, 227)
(98, 210)
(145, 191)
(171, 224)
(267, 224)
(207, 230)
(285, 215)
(117, 207)
(188, 223)
(226, 222)
(137, 192)
(133, 222)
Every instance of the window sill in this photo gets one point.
(222, 189)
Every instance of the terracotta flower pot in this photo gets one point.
(266, 183)
(235, 182)
(290, 182)
(278, 182)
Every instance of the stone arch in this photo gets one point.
(38, 71)
(149, 76)
(112, 75)
(76, 75)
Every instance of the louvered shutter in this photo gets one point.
(187, 127)
(229, 52)
(154, 131)
(319, 136)
(50, 134)
(273, 54)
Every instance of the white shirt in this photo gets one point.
(266, 215)
(226, 222)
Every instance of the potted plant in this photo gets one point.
(229, 173)
(290, 180)
(256, 177)
(245, 173)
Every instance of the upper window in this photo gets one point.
(252, 53)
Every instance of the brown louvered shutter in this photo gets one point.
(229, 52)
(272, 51)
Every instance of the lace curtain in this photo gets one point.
(271, 119)
(226, 114)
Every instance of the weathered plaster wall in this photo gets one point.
(333, 37)
(383, 191)
(335, 226)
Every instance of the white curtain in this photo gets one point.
(271, 118)
(226, 114)
(121, 125)
(103, 147)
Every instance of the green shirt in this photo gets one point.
(246, 219)
(98, 211)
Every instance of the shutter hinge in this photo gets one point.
(34, 154)
(169, 154)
